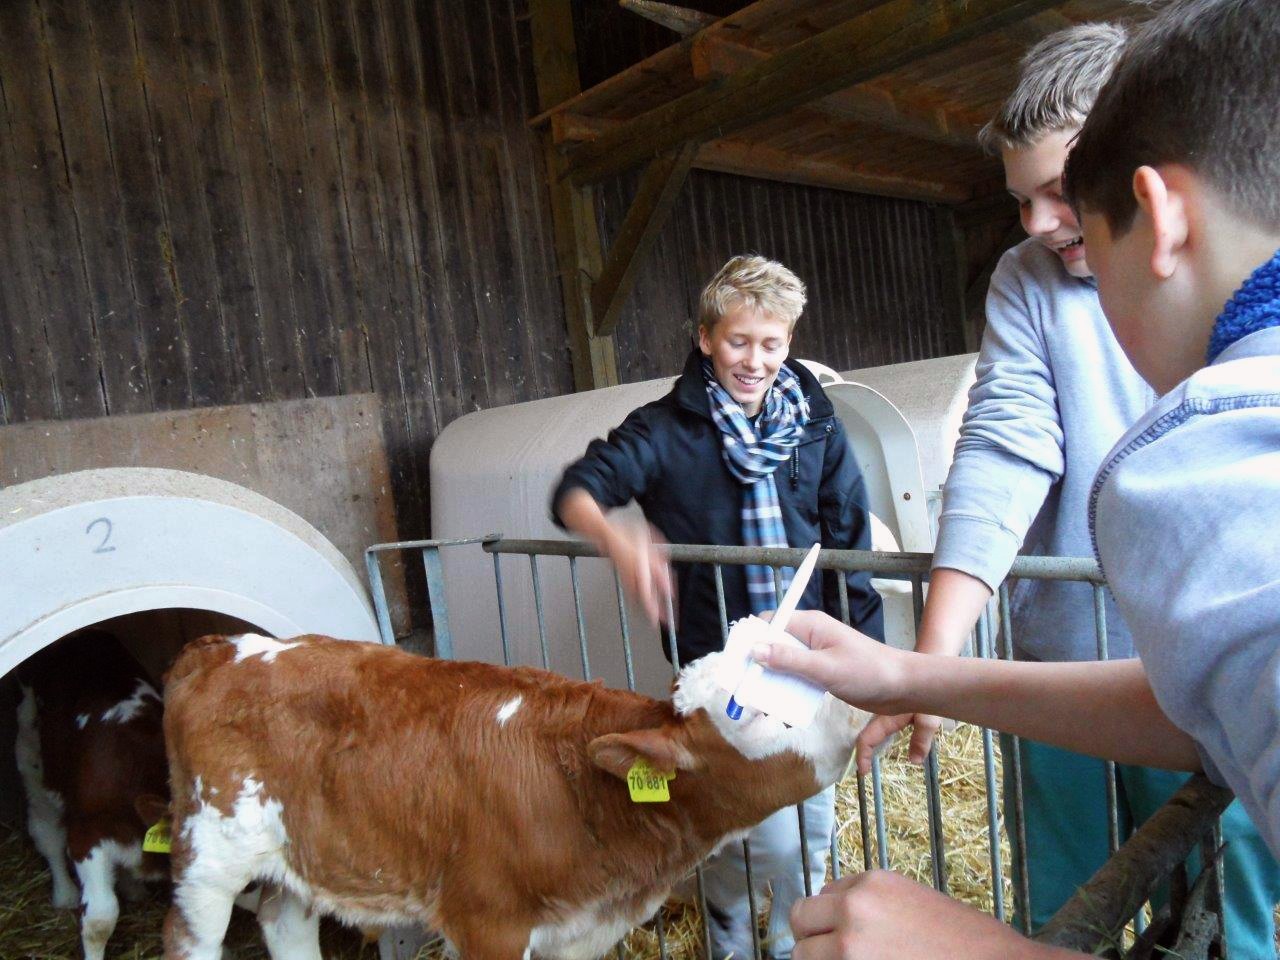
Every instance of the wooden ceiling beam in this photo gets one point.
(713, 57)
(680, 19)
(759, 160)
(649, 210)
(885, 38)
(752, 159)
(576, 237)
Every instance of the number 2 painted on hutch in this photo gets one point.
(106, 534)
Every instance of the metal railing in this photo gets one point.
(993, 638)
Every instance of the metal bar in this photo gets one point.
(1109, 767)
(1022, 895)
(883, 564)
(379, 594)
(433, 544)
(882, 832)
(673, 648)
(502, 609)
(582, 623)
(537, 604)
(864, 822)
(624, 624)
(660, 929)
(439, 606)
(933, 793)
(724, 613)
(804, 848)
(702, 909)
(751, 902)
(983, 644)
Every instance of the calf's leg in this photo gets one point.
(290, 927)
(100, 908)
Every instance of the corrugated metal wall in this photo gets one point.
(208, 202)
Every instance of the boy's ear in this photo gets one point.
(1160, 197)
(704, 340)
(615, 753)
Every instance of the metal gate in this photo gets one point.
(1094, 920)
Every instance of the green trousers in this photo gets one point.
(1065, 804)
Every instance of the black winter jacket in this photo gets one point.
(666, 456)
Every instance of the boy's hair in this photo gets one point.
(1198, 86)
(1059, 79)
(755, 282)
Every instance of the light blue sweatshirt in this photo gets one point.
(1186, 514)
(1054, 392)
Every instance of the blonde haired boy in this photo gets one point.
(745, 450)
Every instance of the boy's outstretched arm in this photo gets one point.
(1102, 709)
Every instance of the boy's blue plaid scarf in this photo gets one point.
(752, 453)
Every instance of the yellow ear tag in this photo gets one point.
(646, 784)
(158, 838)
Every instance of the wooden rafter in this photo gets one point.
(715, 56)
(577, 237)
(747, 158)
(859, 49)
(742, 156)
(680, 19)
(658, 190)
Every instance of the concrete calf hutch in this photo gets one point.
(85, 547)
(493, 471)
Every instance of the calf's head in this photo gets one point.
(756, 754)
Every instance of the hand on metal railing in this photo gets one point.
(881, 728)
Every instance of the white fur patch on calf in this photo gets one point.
(44, 806)
(827, 742)
(97, 873)
(127, 709)
(508, 710)
(252, 645)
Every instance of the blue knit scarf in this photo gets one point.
(1255, 306)
(752, 453)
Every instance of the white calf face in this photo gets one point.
(828, 742)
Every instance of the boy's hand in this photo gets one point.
(883, 916)
(642, 568)
(855, 668)
(924, 727)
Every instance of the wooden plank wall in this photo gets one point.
(210, 202)
(876, 288)
(207, 202)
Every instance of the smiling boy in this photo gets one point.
(746, 449)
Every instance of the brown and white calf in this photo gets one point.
(489, 803)
(90, 746)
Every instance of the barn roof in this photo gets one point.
(872, 96)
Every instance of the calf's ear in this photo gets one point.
(151, 808)
(615, 753)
